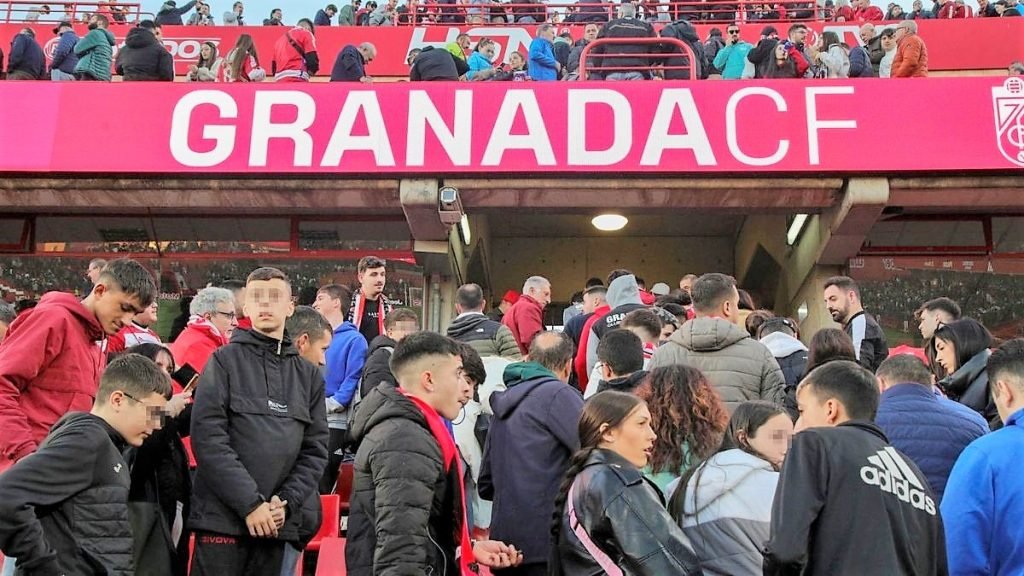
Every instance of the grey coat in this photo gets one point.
(738, 366)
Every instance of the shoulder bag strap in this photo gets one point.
(606, 563)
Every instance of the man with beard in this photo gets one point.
(842, 297)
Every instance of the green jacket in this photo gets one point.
(95, 54)
(347, 16)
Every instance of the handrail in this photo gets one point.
(586, 11)
(656, 58)
(17, 11)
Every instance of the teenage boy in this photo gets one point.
(64, 510)
(842, 467)
(369, 305)
(311, 334)
(408, 506)
(260, 439)
(50, 363)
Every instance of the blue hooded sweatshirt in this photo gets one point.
(344, 366)
(983, 505)
(542, 64)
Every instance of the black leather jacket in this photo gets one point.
(624, 514)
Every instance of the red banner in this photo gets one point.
(782, 126)
(978, 44)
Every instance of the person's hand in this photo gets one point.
(278, 508)
(495, 554)
(261, 522)
(177, 403)
(192, 69)
(366, 80)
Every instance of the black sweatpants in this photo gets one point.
(335, 443)
(222, 555)
(524, 570)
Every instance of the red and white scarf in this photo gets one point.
(358, 307)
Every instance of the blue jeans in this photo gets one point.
(8, 567)
(290, 561)
(625, 76)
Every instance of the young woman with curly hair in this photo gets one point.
(688, 417)
(608, 518)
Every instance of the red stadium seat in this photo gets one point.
(331, 525)
(332, 557)
(343, 487)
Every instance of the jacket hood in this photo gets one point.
(467, 324)
(560, 40)
(517, 372)
(958, 382)
(75, 307)
(623, 290)
(722, 474)
(381, 404)
(282, 347)
(345, 326)
(782, 345)
(504, 403)
(626, 383)
(139, 38)
(707, 334)
(381, 341)
(686, 31)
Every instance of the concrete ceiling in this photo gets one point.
(509, 224)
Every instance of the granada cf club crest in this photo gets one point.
(1008, 101)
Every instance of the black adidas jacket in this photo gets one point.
(868, 340)
(848, 503)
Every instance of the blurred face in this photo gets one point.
(148, 317)
(542, 294)
(165, 361)
(838, 303)
(945, 355)
(516, 61)
(772, 439)
(372, 281)
(633, 439)
(223, 318)
(402, 329)
(136, 418)
(269, 304)
(314, 351)
(448, 386)
(590, 32)
(114, 309)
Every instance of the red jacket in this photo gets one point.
(50, 364)
(844, 14)
(194, 346)
(952, 10)
(525, 318)
(131, 335)
(580, 362)
(911, 59)
(869, 14)
(288, 62)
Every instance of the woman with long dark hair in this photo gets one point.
(687, 415)
(608, 517)
(160, 482)
(829, 344)
(962, 349)
(724, 505)
(208, 66)
(242, 63)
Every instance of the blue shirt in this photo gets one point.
(542, 64)
(984, 505)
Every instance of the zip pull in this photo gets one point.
(280, 343)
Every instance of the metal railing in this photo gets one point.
(18, 11)
(668, 58)
(526, 12)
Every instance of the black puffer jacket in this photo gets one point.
(625, 28)
(64, 510)
(259, 429)
(624, 514)
(969, 386)
(143, 57)
(684, 31)
(377, 368)
(399, 473)
(433, 64)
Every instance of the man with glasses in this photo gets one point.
(911, 59)
(733, 57)
(212, 321)
(259, 433)
(79, 469)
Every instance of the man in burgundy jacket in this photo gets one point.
(51, 360)
(526, 317)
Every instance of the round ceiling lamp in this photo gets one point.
(609, 222)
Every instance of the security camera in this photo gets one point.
(449, 206)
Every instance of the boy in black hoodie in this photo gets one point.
(64, 509)
(259, 430)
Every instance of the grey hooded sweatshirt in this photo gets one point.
(623, 297)
(738, 366)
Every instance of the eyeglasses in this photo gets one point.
(155, 414)
(228, 315)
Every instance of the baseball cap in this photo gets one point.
(660, 289)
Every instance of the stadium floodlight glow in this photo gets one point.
(796, 226)
(609, 222)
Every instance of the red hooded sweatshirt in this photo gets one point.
(50, 364)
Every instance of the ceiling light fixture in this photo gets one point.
(609, 222)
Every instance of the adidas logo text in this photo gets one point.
(891, 474)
